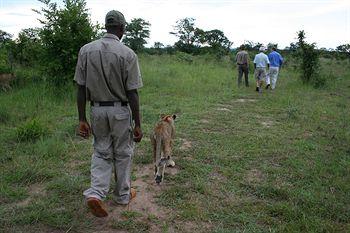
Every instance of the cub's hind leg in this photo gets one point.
(154, 150)
(168, 153)
(159, 161)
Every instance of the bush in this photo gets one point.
(292, 112)
(4, 115)
(64, 32)
(319, 81)
(30, 131)
(5, 69)
(309, 62)
(25, 76)
(181, 56)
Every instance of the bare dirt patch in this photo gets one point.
(267, 123)
(223, 109)
(34, 190)
(216, 176)
(191, 226)
(145, 202)
(254, 176)
(244, 100)
(204, 121)
(185, 144)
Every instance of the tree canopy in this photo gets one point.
(136, 33)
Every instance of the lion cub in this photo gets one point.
(161, 139)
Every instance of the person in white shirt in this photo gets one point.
(261, 62)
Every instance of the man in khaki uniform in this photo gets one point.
(242, 60)
(108, 75)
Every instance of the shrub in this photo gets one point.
(30, 131)
(27, 75)
(4, 115)
(65, 30)
(309, 59)
(5, 69)
(292, 112)
(181, 56)
(319, 81)
(309, 62)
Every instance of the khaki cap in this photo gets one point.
(114, 18)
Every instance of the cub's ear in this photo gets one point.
(174, 117)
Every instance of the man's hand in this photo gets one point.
(84, 129)
(137, 134)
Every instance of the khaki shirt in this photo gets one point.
(242, 58)
(108, 69)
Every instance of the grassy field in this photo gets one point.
(276, 162)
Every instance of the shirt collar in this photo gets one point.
(111, 36)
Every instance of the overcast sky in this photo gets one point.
(326, 22)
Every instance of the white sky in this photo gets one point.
(326, 22)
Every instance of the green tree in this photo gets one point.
(28, 50)
(65, 30)
(189, 36)
(219, 44)
(308, 61)
(251, 45)
(344, 50)
(4, 37)
(136, 33)
(6, 52)
(158, 45)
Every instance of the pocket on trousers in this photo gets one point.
(121, 116)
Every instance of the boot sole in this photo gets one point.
(96, 208)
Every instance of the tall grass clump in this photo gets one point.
(30, 131)
(4, 115)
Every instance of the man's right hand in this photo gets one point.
(84, 129)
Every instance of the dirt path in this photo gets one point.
(144, 205)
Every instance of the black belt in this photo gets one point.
(107, 103)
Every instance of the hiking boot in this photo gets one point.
(132, 196)
(96, 207)
(267, 87)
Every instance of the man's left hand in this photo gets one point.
(137, 134)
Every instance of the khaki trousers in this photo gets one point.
(260, 73)
(273, 76)
(113, 148)
(242, 69)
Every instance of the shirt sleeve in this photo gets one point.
(281, 60)
(255, 59)
(267, 59)
(79, 76)
(134, 80)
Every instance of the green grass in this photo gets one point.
(276, 162)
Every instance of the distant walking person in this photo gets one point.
(242, 60)
(276, 62)
(261, 61)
